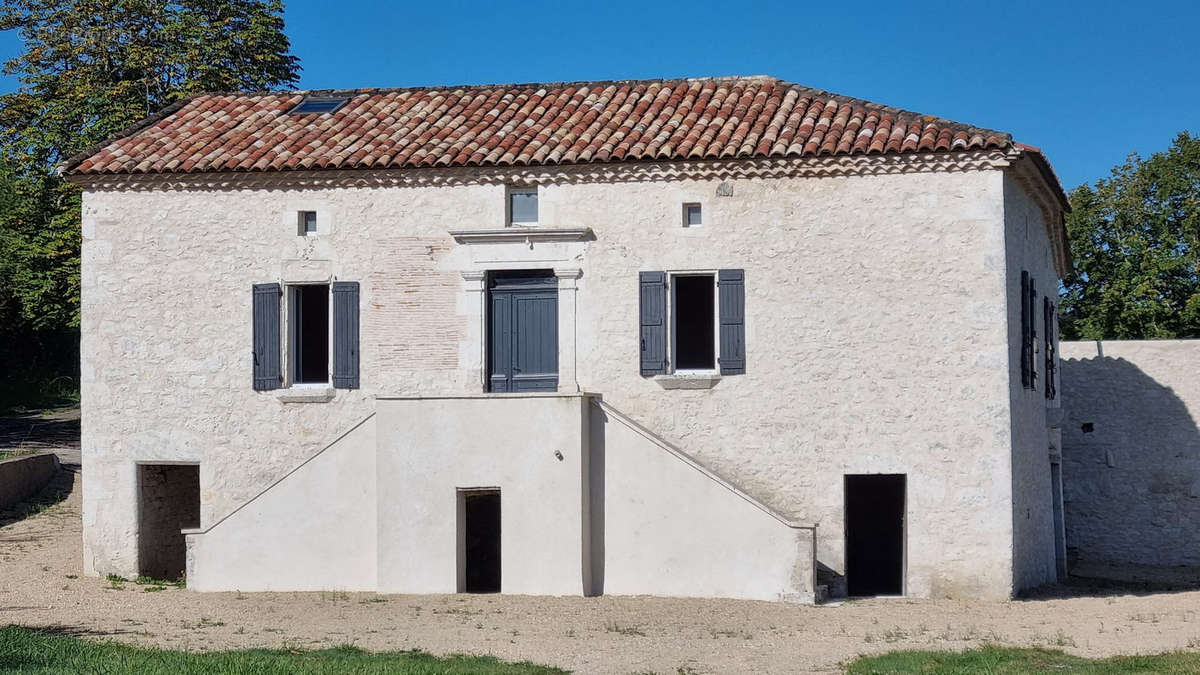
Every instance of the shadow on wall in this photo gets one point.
(1131, 466)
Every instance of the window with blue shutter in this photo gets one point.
(1026, 346)
(267, 372)
(1033, 375)
(345, 334)
(653, 310)
(1049, 313)
(731, 292)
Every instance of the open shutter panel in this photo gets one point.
(1033, 373)
(345, 334)
(1026, 347)
(267, 374)
(731, 288)
(653, 308)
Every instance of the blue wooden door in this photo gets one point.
(523, 332)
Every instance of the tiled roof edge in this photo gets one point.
(75, 160)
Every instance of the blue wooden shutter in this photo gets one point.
(731, 292)
(1048, 345)
(1026, 347)
(345, 334)
(1033, 374)
(653, 306)
(267, 373)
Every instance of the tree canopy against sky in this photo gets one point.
(89, 69)
(1135, 239)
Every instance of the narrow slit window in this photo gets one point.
(522, 206)
(693, 305)
(307, 225)
(691, 215)
(310, 334)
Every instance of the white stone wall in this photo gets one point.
(1027, 247)
(1132, 483)
(876, 340)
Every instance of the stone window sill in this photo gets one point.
(305, 394)
(688, 380)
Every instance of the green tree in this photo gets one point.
(1135, 239)
(89, 69)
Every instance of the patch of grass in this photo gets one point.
(42, 653)
(116, 582)
(1013, 661)
(614, 627)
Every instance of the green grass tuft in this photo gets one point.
(1014, 661)
(33, 652)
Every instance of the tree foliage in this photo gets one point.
(1135, 239)
(89, 69)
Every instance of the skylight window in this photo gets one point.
(318, 105)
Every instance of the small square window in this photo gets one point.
(691, 215)
(522, 206)
(307, 223)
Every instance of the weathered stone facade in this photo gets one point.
(1131, 452)
(880, 334)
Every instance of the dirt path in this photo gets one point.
(41, 585)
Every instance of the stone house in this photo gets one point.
(726, 337)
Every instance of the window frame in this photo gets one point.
(511, 190)
(672, 315)
(288, 331)
(302, 223)
(699, 210)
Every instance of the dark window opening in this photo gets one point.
(875, 534)
(310, 334)
(480, 542)
(318, 105)
(168, 502)
(694, 327)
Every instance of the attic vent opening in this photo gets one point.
(317, 105)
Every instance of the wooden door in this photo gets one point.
(523, 332)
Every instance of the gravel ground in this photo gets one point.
(41, 585)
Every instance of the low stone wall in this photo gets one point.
(1131, 452)
(24, 477)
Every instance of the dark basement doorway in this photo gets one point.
(480, 532)
(874, 534)
(168, 501)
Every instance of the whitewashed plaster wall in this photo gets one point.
(314, 530)
(876, 340)
(1027, 246)
(1133, 480)
(431, 447)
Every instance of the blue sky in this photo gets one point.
(1088, 82)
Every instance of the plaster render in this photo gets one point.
(1133, 481)
(313, 530)
(665, 527)
(1034, 443)
(428, 450)
(877, 337)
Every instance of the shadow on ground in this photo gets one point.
(38, 431)
(1095, 587)
(57, 490)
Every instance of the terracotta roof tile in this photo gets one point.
(580, 122)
